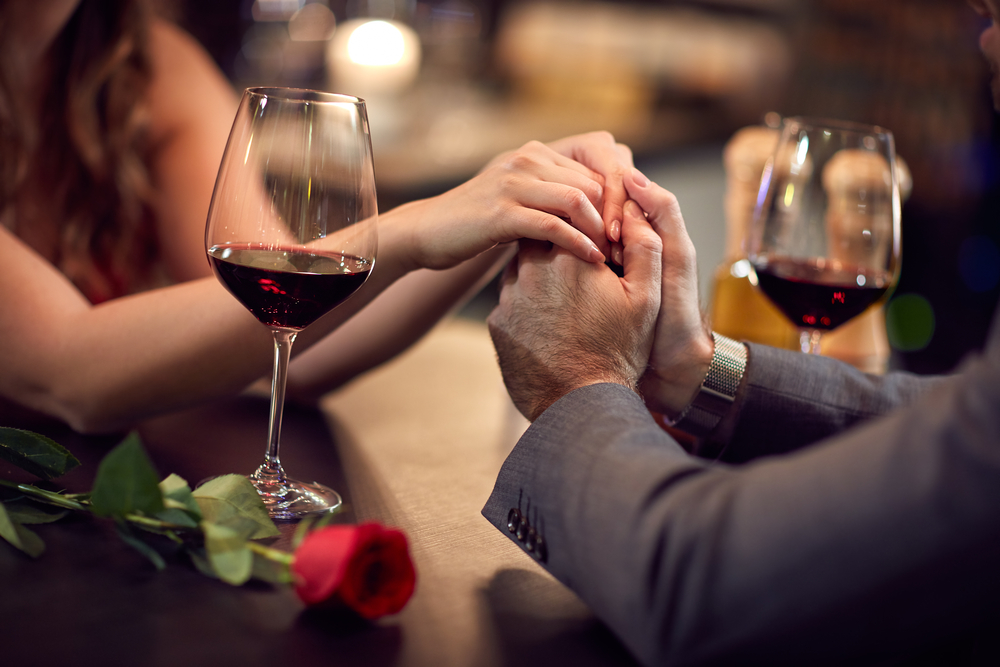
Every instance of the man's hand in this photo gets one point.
(563, 323)
(683, 346)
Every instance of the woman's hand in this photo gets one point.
(535, 192)
(600, 152)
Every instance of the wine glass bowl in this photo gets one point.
(825, 242)
(291, 233)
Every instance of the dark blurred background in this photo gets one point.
(461, 80)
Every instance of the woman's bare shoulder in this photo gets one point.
(187, 86)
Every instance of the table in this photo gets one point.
(416, 443)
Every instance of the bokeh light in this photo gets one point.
(910, 322)
(313, 23)
(376, 44)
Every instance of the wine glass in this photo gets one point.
(291, 234)
(825, 241)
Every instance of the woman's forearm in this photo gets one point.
(396, 319)
(102, 368)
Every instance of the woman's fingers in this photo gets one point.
(565, 160)
(568, 203)
(537, 161)
(600, 152)
(541, 226)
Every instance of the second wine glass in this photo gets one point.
(291, 234)
(825, 241)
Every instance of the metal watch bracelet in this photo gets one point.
(718, 389)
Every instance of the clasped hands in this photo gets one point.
(567, 320)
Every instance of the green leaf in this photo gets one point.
(227, 551)
(178, 517)
(19, 536)
(231, 500)
(176, 490)
(35, 453)
(126, 482)
(31, 513)
(270, 571)
(139, 545)
(181, 507)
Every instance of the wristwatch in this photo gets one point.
(718, 390)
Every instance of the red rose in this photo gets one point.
(366, 568)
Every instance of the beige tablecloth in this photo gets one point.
(422, 439)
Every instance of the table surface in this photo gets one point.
(416, 443)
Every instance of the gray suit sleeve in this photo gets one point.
(864, 546)
(788, 400)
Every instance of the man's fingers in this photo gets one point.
(509, 275)
(643, 250)
(661, 207)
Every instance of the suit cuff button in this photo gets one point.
(522, 530)
(531, 540)
(513, 520)
(540, 552)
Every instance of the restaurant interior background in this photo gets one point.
(674, 80)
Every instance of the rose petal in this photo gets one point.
(380, 579)
(366, 568)
(321, 561)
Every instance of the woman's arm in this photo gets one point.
(500, 193)
(191, 107)
(102, 368)
(399, 317)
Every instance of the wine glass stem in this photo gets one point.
(809, 340)
(270, 470)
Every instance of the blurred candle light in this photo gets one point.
(367, 57)
(376, 43)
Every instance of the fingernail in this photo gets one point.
(616, 230)
(595, 254)
(639, 178)
(633, 209)
(617, 256)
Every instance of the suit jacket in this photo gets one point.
(849, 518)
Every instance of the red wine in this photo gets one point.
(287, 288)
(816, 296)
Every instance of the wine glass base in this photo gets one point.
(290, 500)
